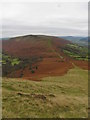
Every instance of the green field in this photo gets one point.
(53, 97)
(77, 52)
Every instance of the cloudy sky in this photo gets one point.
(48, 18)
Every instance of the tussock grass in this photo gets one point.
(62, 96)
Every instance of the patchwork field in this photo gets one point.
(53, 97)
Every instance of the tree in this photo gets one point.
(32, 71)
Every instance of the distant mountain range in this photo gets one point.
(85, 39)
(4, 38)
(79, 40)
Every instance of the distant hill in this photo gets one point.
(33, 45)
(71, 38)
(40, 55)
(4, 38)
(79, 40)
(85, 39)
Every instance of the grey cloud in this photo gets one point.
(18, 30)
(45, 18)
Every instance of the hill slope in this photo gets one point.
(32, 45)
(62, 97)
(35, 56)
(84, 41)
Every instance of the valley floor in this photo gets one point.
(53, 97)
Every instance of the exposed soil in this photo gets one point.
(82, 64)
(51, 67)
(48, 67)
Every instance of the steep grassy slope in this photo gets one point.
(62, 97)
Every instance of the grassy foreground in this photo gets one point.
(63, 97)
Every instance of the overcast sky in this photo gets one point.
(54, 18)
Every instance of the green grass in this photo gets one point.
(76, 51)
(13, 61)
(62, 96)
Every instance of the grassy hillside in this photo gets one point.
(62, 97)
(77, 52)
